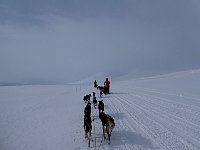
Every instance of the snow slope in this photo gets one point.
(155, 113)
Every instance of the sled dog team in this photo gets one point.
(107, 121)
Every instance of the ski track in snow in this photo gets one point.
(169, 128)
(148, 119)
(153, 117)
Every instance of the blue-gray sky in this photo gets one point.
(66, 40)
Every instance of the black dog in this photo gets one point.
(93, 94)
(100, 88)
(87, 110)
(87, 126)
(87, 122)
(95, 101)
(86, 98)
(108, 124)
(101, 106)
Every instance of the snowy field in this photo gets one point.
(154, 113)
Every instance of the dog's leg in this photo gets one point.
(99, 111)
(89, 138)
(89, 143)
(109, 129)
(108, 133)
(86, 135)
(85, 130)
(104, 131)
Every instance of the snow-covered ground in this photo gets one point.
(155, 113)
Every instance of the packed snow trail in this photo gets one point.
(163, 120)
(163, 128)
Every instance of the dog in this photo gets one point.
(87, 126)
(93, 94)
(87, 110)
(108, 124)
(95, 101)
(86, 98)
(101, 90)
(87, 122)
(101, 106)
(101, 93)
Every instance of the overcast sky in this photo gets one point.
(66, 40)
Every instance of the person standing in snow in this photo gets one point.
(107, 86)
(95, 84)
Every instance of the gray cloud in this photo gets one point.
(62, 41)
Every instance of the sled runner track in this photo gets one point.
(174, 123)
(170, 93)
(134, 121)
(123, 126)
(166, 92)
(189, 98)
(133, 126)
(156, 127)
(164, 133)
(190, 113)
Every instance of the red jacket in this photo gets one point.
(107, 83)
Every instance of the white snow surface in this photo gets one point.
(155, 113)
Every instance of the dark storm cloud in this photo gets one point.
(62, 40)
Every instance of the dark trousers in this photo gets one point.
(106, 90)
